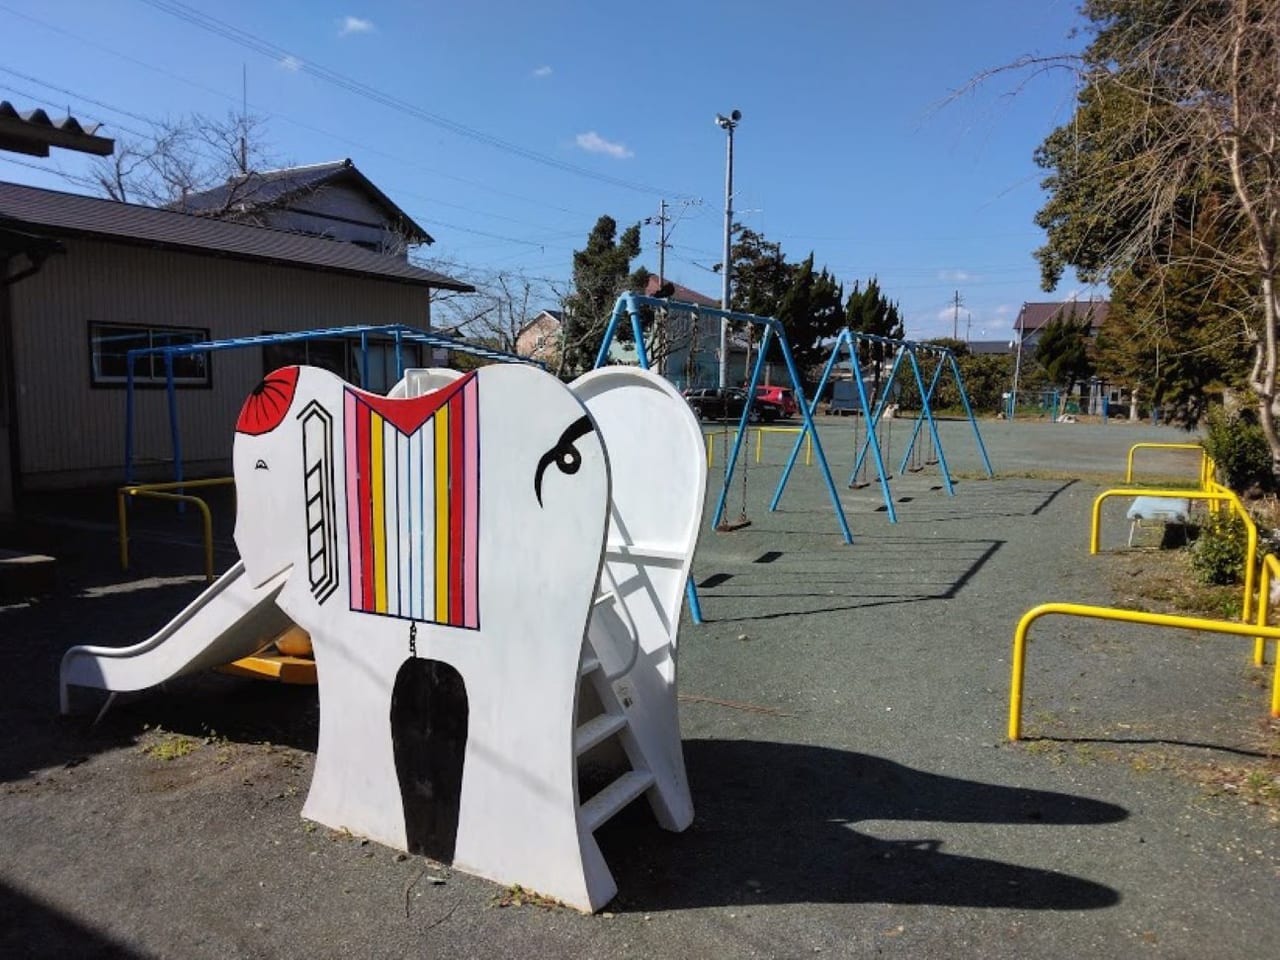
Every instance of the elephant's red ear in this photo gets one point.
(268, 403)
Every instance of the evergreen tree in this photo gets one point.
(1063, 352)
(811, 312)
(869, 311)
(601, 273)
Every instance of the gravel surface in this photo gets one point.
(844, 720)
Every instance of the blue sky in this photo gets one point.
(847, 146)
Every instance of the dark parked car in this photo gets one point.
(712, 403)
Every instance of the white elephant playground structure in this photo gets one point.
(491, 568)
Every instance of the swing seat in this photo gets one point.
(728, 526)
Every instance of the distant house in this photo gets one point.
(83, 280)
(333, 200)
(539, 339)
(1034, 317)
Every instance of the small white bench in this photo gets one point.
(1162, 509)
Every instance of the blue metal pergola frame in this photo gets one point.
(398, 333)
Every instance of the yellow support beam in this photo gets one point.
(761, 431)
(1215, 494)
(1229, 627)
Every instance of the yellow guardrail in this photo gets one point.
(163, 491)
(1206, 473)
(1123, 616)
(808, 449)
(1270, 571)
(1216, 494)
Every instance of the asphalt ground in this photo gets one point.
(844, 720)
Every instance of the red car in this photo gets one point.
(782, 396)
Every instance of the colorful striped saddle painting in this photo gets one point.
(413, 488)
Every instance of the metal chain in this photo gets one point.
(413, 639)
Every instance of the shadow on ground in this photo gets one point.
(35, 929)
(776, 823)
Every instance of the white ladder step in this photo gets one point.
(589, 664)
(595, 730)
(616, 550)
(596, 811)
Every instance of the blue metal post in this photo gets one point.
(817, 441)
(973, 421)
(844, 339)
(623, 302)
(641, 356)
(933, 427)
(875, 417)
(364, 360)
(691, 594)
(926, 401)
(399, 361)
(813, 406)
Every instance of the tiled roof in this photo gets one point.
(1033, 316)
(33, 132)
(274, 188)
(48, 212)
(680, 293)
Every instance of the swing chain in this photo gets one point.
(413, 640)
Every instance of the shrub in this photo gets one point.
(1218, 553)
(1240, 450)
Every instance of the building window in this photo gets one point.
(345, 358)
(110, 343)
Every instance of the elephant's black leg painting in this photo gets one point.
(429, 736)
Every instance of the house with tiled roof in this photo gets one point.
(332, 200)
(1034, 317)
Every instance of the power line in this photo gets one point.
(266, 48)
(366, 148)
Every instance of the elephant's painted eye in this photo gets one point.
(260, 465)
(564, 454)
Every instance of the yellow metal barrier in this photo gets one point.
(1216, 494)
(1123, 616)
(162, 491)
(1128, 473)
(761, 431)
(1270, 570)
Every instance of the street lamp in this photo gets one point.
(727, 124)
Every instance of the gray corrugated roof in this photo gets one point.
(274, 188)
(33, 132)
(68, 214)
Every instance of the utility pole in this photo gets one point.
(955, 318)
(659, 333)
(727, 124)
(968, 325)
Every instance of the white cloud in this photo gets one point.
(350, 24)
(290, 63)
(954, 276)
(592, 142)
(542, 72)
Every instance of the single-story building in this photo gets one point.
(83, 280)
